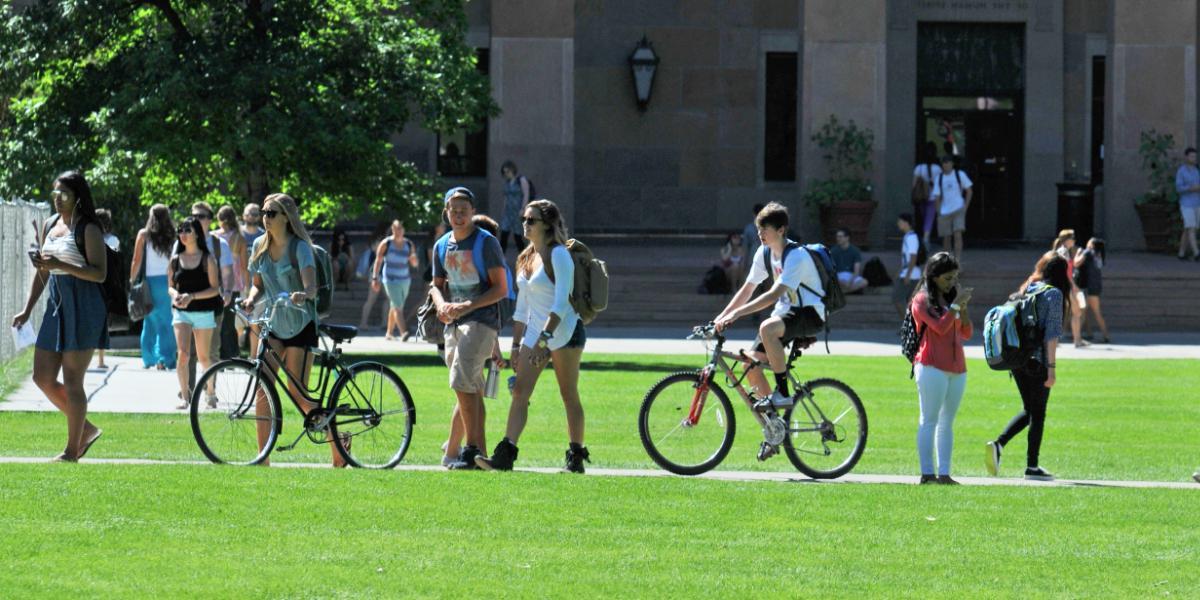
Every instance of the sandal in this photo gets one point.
(88, 446)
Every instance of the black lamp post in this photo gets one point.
(643, 63)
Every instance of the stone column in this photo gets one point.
(533, 81)
(844, 74)
(1151, 85)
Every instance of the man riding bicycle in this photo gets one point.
(796, 294)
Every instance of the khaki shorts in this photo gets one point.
(952, 223)
(468, 346)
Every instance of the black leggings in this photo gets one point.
(520, 241)
(1031, 382)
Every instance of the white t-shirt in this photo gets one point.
(910, 248)
(798, 270)
(947, 187)
(924, 171)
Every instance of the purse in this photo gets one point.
(141, 302)
(429, 328)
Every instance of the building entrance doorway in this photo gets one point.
(970, 96)
(984, 135)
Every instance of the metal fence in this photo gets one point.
(17, 234)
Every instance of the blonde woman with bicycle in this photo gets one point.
(545, 326)
(274, 274)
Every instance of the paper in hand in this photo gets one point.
(23, 336)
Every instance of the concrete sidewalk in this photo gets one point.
(753, 476)
(127, 387)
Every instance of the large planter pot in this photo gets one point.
(853, 215)
(1158, 225)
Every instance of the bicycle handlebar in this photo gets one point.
(265, 309)
(706, 332)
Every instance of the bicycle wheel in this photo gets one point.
(827, 429)
(374, 417)
(668, 432)
(246, 404)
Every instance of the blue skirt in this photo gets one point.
(76, 317)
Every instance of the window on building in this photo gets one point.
(779, 148)
(1097, 149)
(464, 153)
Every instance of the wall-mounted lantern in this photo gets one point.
(644, 63)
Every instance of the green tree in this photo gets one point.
(180, 100)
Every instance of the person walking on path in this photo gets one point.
(203, 213)
(382, 230)
(517, 193)
(104, 219)
(952, 196)
(395, 258)
(796, 294)
(1064, 245)
(252, 223)
(545, 327)
(1089, 277)
(153, 246)
(939, 309)
(279, 270)
(466, 300)
(231, 234)
(75, 323)
(196, 297)
(1035, 380)
(924, 174)
(1187, 183)
(911, 252)
(848, 262)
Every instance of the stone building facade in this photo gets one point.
(1028, 93)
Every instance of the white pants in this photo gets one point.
(940, 394)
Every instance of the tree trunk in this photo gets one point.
(257, 184)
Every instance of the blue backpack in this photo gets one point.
(439, 247)
(832, 297)
(1011, 331)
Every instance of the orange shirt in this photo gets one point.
(944, 334)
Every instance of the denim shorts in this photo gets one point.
(198, 319)
(578, 337)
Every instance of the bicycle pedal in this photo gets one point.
(766, 451)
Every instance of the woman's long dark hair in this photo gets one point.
(1051, 269)
(160, 231)
(85, 206)
(336, 247)
(939, 264)
(198, 231)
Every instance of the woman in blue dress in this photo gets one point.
(75, 323)
(517, 192)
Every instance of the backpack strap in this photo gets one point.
(477, 257)
(439, 248)
(959, 179)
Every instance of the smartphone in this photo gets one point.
(33, 254)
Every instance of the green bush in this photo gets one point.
(846, 149)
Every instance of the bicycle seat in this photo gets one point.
(803, 343)
(339, 333)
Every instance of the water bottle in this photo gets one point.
(492, 383)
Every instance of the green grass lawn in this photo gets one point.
(176, 530)
(1107, 419)
(226, 532)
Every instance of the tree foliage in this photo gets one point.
(181, 100)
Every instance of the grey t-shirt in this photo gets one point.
(463, 277)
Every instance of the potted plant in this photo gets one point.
(1158, 208)
(843, 199)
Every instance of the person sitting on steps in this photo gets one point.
(797, 295)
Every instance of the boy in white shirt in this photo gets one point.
(797, 295)
(952, 196)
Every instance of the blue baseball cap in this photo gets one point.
(458, 191)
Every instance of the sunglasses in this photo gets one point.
(183, 230)
(530, 220)
(270, 213)
(202, 216)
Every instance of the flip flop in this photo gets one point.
(83, 451)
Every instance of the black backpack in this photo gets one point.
(714, 282)
(116, 296)
(532, 188)
(876, 273)
(910, 339)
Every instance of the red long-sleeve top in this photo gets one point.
(942, 344)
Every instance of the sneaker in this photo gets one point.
(576, 456)
(927, 479)
(775, 400)
(1038, 474)
(466, 459)
(502, 457)
(212, 400)
(1196, 476)
(992, 460)
(945, 480)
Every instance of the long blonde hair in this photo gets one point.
(294, 225)
(1063, 236)
(553, 221)
(229, 227)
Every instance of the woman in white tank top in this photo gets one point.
(153, 249)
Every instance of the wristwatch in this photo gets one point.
(544, 339)
(955, 307)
